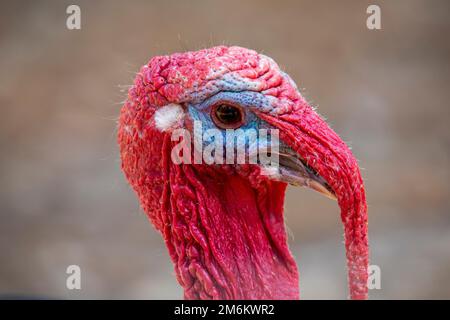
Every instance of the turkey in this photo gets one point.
(223, 224)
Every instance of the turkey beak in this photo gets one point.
(294, 171)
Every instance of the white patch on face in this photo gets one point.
(168, 117)
(273, 172)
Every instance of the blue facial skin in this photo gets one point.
(248, 100)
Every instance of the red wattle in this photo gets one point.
(225, 233)
(223, 227)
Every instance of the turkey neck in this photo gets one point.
(225, 234)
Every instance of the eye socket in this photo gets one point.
(227, 116)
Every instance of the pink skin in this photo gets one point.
(223, 225)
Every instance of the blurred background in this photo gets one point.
(64, 200)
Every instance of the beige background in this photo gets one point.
(63, 199)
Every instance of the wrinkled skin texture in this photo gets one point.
(223, 224)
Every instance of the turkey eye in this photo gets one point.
(227, 116)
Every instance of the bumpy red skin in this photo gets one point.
(223, 225)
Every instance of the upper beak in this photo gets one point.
(295, 171)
